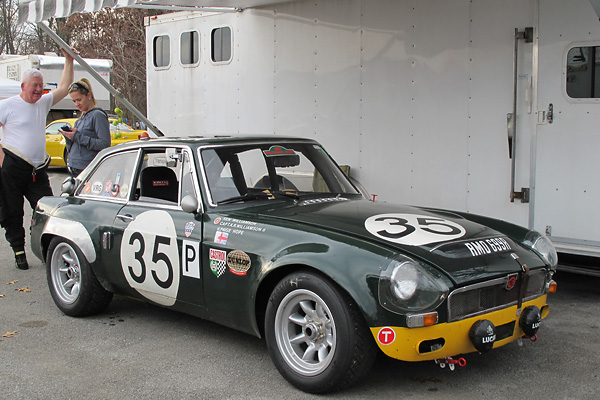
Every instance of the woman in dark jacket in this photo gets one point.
(91, 132)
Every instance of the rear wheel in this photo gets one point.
(316, 335)
(73, 285)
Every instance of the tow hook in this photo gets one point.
(533, 338)
(451, 362)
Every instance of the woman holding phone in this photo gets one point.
(91, 132)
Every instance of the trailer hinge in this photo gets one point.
(523, 195)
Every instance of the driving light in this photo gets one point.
(543, 247)
(407, 286)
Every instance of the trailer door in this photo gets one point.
(566, 200)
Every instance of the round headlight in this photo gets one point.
(407, 286)
(541, 245)
(404, 280)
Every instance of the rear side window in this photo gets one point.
(583, 72)
(112, 177)
(189, 48)
(161, 51)
(221, 44)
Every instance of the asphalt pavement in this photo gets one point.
(138, 351)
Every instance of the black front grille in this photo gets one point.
(487, 296)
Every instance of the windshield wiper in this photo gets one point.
(245, 197)
(288, 193)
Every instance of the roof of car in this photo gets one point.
(218, 140)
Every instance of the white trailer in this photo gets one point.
(485, 106)
(13, 66)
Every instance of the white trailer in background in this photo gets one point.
(486, 106)
(13, 66)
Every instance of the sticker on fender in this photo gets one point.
(386, 336)
(412, 229)
(149, 257)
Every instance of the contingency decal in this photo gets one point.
(107, 188)
(97, 188)
(218, 261)
(412, 229)
(189, 228)
(278, 151)
(386, 336)
(124, 191)
(238, 262)
(221, 237)
(150, 258)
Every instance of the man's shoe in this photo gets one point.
(21, 260)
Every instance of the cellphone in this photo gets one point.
(65, 128)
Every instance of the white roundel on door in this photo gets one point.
(149, 256)
(412, 229)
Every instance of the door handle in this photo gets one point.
(126, 218)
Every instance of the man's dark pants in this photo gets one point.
(18, 181)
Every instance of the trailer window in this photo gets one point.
(162, 50)
(583, 72)
(221, 44)
(190, 46)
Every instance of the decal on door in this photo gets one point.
(149, 257)
(412, 229)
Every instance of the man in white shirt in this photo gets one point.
(23, 157)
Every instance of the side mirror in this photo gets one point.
(189, 204)
(68, 186)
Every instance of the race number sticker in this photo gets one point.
(412, 229)
(149, 257)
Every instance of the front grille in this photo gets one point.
(492, 295)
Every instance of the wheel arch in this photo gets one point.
(273, 277)
(70, 230)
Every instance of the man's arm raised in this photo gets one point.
(65, 81)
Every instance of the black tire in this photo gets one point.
(66, 157)
(73, 285)
(308, 316)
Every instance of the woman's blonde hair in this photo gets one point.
(84, 87)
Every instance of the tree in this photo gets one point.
(116, 34)
(14, 38)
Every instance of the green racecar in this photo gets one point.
(269, 236)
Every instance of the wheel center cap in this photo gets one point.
(312, 331)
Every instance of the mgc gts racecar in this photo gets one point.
(269, 236)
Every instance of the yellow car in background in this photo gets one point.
(56, 145)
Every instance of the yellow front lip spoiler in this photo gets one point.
(455, 335)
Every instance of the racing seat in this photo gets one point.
(159, 183)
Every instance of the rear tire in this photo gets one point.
(316, 336)
(73, 285)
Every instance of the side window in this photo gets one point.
(158, 180)
(221, 44)
(583, 72)
(161, 51)
(189, 48)
(52, 129)
(112, 178)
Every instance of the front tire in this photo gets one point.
(316, 336)
(73, 285)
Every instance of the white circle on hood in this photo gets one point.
(413, 229)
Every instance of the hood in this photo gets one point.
(464, 250)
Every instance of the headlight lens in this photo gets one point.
(543, 247)
(406, 286)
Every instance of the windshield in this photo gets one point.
(259, 171)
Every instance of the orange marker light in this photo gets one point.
(552, 287)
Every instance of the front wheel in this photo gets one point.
(73, 285)
(316, 335)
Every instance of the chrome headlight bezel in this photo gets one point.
(407, 286)
(543, 247)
